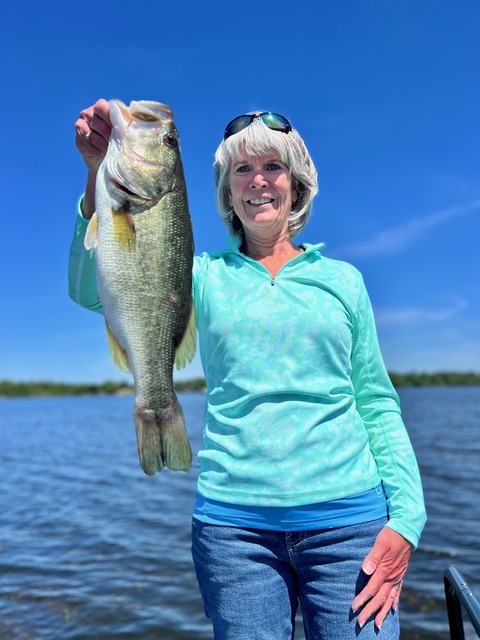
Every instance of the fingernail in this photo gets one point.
(355, 609)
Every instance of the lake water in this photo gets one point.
(91, 548)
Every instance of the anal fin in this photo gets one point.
(119, 355)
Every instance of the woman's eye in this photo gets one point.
(242, 169)
(273, 166)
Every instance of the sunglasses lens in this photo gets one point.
(273, 121)
(277, 122)
(237, 124)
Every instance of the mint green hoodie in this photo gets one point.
(300, 408)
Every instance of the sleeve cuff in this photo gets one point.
(80, 217)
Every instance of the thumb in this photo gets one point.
(378, 551)
(372, 560)
(369, 565)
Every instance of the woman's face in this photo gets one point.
(261, 193)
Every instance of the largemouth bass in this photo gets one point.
(142, 235)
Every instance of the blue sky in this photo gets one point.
(385, 93)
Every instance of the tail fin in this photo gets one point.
(162, 439)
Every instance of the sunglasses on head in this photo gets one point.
(273, 121)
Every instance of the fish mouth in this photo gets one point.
(131, 196)
(128, 173)
(144, 110)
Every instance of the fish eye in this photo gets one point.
(170, 140)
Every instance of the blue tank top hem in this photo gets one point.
(363, 507)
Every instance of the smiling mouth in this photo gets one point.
(260, 201)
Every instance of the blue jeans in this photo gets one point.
(252, 580)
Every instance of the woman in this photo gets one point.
(309, 489)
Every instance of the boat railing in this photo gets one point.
(458, 595)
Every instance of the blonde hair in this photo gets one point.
(258, 140)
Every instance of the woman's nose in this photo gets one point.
(258, 180)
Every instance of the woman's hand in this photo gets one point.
(93, 132)
(386, 564)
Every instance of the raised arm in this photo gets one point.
(93, 129)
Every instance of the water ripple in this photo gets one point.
(91, 548)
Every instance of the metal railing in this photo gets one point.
(458, 595)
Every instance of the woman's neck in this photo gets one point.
(272, 252)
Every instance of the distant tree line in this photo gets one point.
(11, 389)
(439, 379)
(197, 384)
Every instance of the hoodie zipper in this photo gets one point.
(272, 278)
(257, 264)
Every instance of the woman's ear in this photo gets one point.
(295, 193)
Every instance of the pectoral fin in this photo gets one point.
(187, 347)
(91, 236)
(124, 230)
(119, 355)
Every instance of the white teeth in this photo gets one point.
(260, 200)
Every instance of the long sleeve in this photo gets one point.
(378, 405)
(82, 277)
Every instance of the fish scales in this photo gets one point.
(143, 238)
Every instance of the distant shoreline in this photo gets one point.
(39, 389)
(13, 389)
